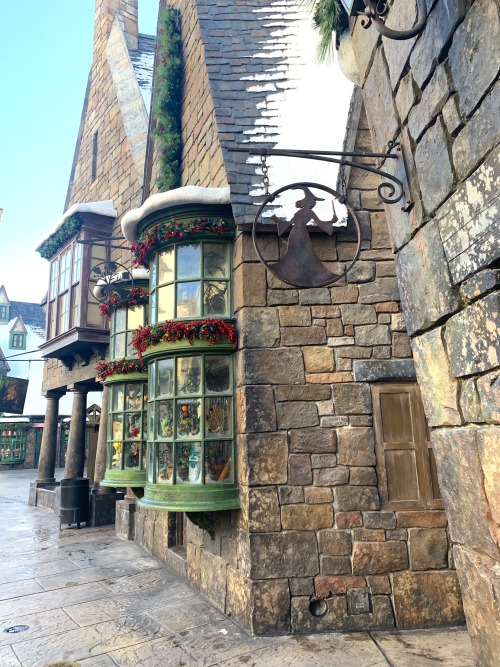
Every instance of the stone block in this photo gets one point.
(335, 565)
(356, 447)
(323, 460)
(478, 137)
(347, 294)
(356, 498)
(318, 359)
(379, 584)
(397, 52)
(238, 600)
(352, 398)
(373, 334)
(348, 519)
(361, 272)
(386, 269)
(434, 96)
(335, 542)
(271, 607)
(314, 392)
(361, 420)
(286, 554)
(480, 583)
(428, 548)
(397, 534)
(381, 352)
(358, 314)
(473, 337)
(473, 56)
(407, 95)
(314, 441)
(440, 26)
(336, 585)
(480, 284)
(363, 477)
(379, 557)
(488, 445)
(460, 478)
(488, 389)
(384, 520)
(279, 297)
(306, 517)
(290, 495)
(379, 370)
(274, 366)
(438, 386)
(213, 579)
(426, 289)
(291, 336)
(296, 414)
(368, 535)
(469, 401)
(258, 327)
(401, 345)
(421, 519)
(334, 328)
(294, 316)
(380, 231)
(330, 476)
(263, 510)
(426, 599)
(381, 112)
(263, 457)
(325, 312)
(364, 44)
(255, 409)
(317, 495)
(301, 586)
(380, 290)
(436, 180)
(249, 286)
(314, 296)
(299, 469)
(451, 115)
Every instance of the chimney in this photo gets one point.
(127, 13)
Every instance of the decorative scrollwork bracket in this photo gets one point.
(376, 11)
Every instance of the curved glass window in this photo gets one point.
(123, 324)
(127, 426)
(190, 280)
(190, 429)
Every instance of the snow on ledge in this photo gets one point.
(190, 194)
(98, 207)
(137, 274)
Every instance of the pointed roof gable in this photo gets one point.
(4, 299)
(18, 326)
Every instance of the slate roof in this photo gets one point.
(32, 313)
(143, 64)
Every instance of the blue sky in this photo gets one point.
(45, 58)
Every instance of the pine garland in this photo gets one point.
(113, 301)
(106, 369)
(174, 229)
(70, 227)
(209, 329)
(167, 104)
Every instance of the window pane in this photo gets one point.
(151, 376)
(64, 274)
(52, 320)
(218, 466)
(188, 417)
(166, 266)
(54, 275)
(119, 346)
(63, 313)
(165, 303)
(120, 319)
(75, 306)
(134, 396)
(151, 461)
(188, 299)
(131, 455)
(188, 261)
(218, 416)
(135, 317)
(151, 427)
(189, 375)
(116, 456)
(165, 463)
(215, 298)
(166, 377)
(117, 398)
(117, 427)
(77, 262)
(131, 352)
(165, 419)
(217, 374)
(133, 425)
(194, 475)
(215, 260)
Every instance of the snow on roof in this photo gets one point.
(105, 208)
(32, 314)
(137, 274)
(190, 194)
(143, 64)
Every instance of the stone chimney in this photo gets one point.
(126, 11)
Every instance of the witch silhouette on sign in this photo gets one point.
(300, 266)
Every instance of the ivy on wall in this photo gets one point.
(167, 102)
(70, 227)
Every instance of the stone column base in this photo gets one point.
(47, 484)
(125, 518)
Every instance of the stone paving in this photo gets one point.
(91, 600)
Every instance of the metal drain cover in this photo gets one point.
(16, 628)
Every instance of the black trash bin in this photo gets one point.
(74, 501)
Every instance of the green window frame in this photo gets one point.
(17, 341)
(191, 420)
(190, 281)
(12, 445)
(4, 313)
(124, 321)
(127, 425)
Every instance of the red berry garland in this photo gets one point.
(137, 297)
(106, 369)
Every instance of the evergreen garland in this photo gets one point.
(329, 17)
(70, 227)
(168, 99)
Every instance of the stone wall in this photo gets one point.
(438, 94)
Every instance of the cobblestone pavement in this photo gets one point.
(91, 600)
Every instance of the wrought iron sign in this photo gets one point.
(300, 266)
(104, 277)
(375, 12)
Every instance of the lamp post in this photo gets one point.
(375, 11)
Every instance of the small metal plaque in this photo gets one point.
(358, 601)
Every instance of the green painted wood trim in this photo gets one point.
(127, 377)
(172, 347)
(120, 478)
(190, 498)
